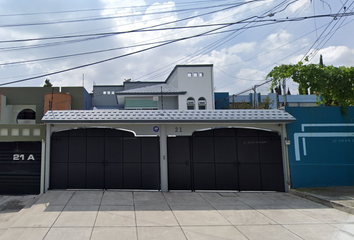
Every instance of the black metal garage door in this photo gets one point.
(20, 167)
(104, 159)
(226, 159)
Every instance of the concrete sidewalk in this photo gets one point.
(91, 215)
(341, 198)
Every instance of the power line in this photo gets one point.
(115, 17)
(101, 9)
(334, 18)
(138, 45)
(108, 59)
(97, 37)
(221, 41)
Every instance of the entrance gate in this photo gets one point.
(98, 158)
(226, 159)
(20, 167)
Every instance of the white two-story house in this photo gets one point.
(187, 87)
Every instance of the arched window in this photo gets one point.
(190, 103)
(201, 103)
(26, 116)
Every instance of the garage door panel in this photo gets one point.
(250, 177)
(59, 176)
(226, 177)
(132, 175)
(247, 149)
(77, 133)
(270, 150)
(114, 175)
(61, 134)
(225, 149)
(77, 149)
(151, 176)
(178, 149)
(204, 176)
(77, 175)
(112, 132)
(20, 165)
(95, 176)
(203, 149)
(244, 132)
(113, 149)
(207, 133)
(95, 149)
(179, 177)
(223, 132)
(131, 150)
(95, 132)
(150, 151)
(272, 177)
(29, 146)
(59, 149)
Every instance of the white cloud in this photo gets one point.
(242, 57)
(337, 56)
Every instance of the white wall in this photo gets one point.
(173, 80)
(11, 112)
(196, 87)
(5, 110)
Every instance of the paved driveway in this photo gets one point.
(169, 216)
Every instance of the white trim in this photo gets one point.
(47, 157)
(316, 134)
(325, 125)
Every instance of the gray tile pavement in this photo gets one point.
(93, 215)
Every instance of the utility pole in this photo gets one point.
(161, 99)
(284, 89)
(51, 102)
(254, 96)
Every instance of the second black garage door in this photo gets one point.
(20, 167)
(98, 158)
(226, 159)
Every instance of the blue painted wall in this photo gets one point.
(222, 104)
(321, 152)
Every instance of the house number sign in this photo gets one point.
(178, 129)
(22, 157)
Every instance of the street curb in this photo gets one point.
(320, 200)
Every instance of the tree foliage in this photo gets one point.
(335, 85)
(47, 83)
(265, 104)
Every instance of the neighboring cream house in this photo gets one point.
(187, 87)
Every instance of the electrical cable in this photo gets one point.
(115, 17)
(108, 59)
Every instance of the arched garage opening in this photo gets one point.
(226, 159)
(103, 158)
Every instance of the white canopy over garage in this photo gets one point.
(166, 124)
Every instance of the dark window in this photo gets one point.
(26, 114)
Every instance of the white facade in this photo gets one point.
(184, 83)
(198, 81)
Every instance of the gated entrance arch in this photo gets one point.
(226, 159)
(103, 158)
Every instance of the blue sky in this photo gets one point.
(242, 58)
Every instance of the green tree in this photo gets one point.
(335, 85)
(47, 83)
(240, 105)
(266, 103)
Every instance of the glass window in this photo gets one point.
(201, 74)
(189, 74)
(195, 74)
(190, 103)
(201, 103)
(104, 92)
